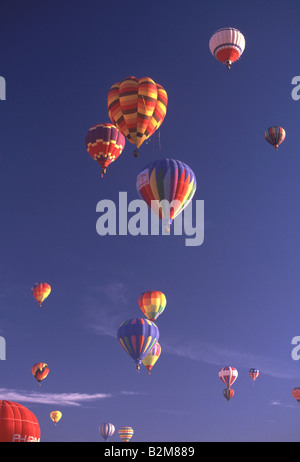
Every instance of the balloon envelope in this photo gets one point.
(126, 433)
(228, 375)
(275, 136)
(137, 337)
(41, 291)
(152, 303)
(228, 393)
(107, 430)
(151, 358)
(253, 373)
(55, 416)
(137, 107)
(18, 424)
(105, 143)
(167, 186)
(40, 371)
(227, 45)
(296, 394)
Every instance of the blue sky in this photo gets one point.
(232, 301)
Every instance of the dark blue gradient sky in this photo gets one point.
(232, 301)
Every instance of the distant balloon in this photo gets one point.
(152, 357)
(254, 373)
(167, 186)
(227, 45)
(107, 430)
(105, 143)
(137, 107)
(275, 136)
(137, 337)
(126, 433)
(228, 375)
(55, 416)
(152, 303)
(41, 291)
(296, 394)
(40, 371)
(18, 424)
(228, 393)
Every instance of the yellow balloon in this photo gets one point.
(55, 416)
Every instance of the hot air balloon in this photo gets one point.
(254, 373)
(107, 430)
(105, 144)
(152, 357)
(137, 107)
(228, 375)
(152, 303)
(167, 186)
(275, 136)
(227, 45)
(137, 337)
(228, 393)
(18, 424)
(126, 433)
(40, 291)
(40, 371)
(55, 416)
(296, 394)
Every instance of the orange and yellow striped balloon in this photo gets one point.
(41, 291)
(137, 107)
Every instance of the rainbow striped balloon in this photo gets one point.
(275, 136)
(126, 433)
(167, 186)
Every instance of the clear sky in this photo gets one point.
(232, 301)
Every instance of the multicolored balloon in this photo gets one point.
(126, 433)
(41, 291)
(137, 337)
(55, 416)
(296, 394)
(18, 424)
(137, 107)
(40, 371)
(167, 186)
(228, 375)
(105, 143)
(227, 45)
(107, 430)
(228, 393)
(152, 303)
(152, 357)
(275, 136)
(254, 373)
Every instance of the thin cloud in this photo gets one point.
(217, 355)
(62, 399)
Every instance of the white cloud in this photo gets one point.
(62, 399)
